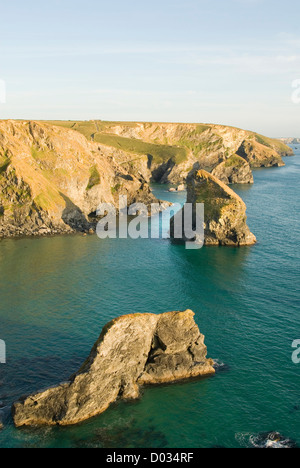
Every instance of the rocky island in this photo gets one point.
(132, 350)
(225, 212)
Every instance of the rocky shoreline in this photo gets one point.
(53, 178)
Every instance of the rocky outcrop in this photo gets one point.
(132, 350)
(290, 141)
(224, 212)
(235, 170)
(259, 155)
(54, 176)
(171, 152)
(53, 179)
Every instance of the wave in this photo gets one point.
(266, 440)
(220, 366)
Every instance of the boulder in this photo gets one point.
(132, 350)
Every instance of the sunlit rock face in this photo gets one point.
(132, 350)
(224, 212)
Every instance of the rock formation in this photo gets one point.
(53, 179)
(171, 152)
(235, 170)
(132, 350)
(54, 175)
(259, 155)
(290, 141)
(224, 211)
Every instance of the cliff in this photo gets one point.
(235, 170)
(132, 350)
(53, 176)
(224, 211)
(171, 152)
(52, 179)
(290, 141)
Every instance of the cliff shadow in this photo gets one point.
(73, 216)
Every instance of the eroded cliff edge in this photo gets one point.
(132, 350)
(53, 179)
(53, 176)
(172, 152)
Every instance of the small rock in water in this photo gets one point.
(272, 440)
(220, 366)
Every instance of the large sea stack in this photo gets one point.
(224, 211)
(132, 350)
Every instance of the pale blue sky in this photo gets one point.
(220, 61)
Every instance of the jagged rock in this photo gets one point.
(132, 350)
(235, 170)
(259, 155)
(53, 179)
(205, 146)
(290, 141)
(224, 211)
(272, 440)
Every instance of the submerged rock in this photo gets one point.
(272, 440)
(224, 212)
(132, 350)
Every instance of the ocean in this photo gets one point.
(57, 293)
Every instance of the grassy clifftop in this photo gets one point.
(53, 179)
(174, 149)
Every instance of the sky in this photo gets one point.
(231, 62)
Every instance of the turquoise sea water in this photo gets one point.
(57, 293)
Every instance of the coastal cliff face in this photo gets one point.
(132, 350)
(53, 179)
(235, 170)
(259, 155)
(172, 152)
(224, 211)
(290, 141)
(54, 176)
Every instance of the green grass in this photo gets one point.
(193, 141)
(4, 161)
(94, 178)
(276, 145)
(115, 189)
(86, 128)
(4, 166)
(160, 153)
(234, 160)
